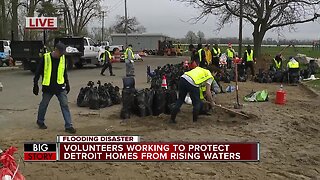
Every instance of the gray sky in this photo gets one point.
(169, 17)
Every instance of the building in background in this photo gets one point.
(140, 41)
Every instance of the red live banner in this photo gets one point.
(158, 151)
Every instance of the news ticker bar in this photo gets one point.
(125, 148)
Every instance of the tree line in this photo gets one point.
(74, 17)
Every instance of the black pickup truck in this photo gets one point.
(28, 52)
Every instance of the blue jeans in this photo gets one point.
(62, 97)
(184, 88)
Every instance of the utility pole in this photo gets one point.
(126, 21)
(240, 28)
(102, 26)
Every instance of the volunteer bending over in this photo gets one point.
(190, 82)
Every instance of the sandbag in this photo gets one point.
(140, 103)
(104, 99)
(171, 98)
(81, 101)
(115, 95)
(127, 103)
(159, 102)
(94, 99)
(149, 101)
(128, 83)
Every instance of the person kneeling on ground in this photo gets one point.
(277, 68)
(189, 83)
(293, 70)
(53, 68)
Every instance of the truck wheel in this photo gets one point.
(33, 70)
(79, 65)
(69, 64)
(1, 63)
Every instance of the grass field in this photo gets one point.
(273, 51)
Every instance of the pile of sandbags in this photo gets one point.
(147, 102)
(101, 96)
(172, 72)
(264, 76)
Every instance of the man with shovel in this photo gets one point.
(190, 82)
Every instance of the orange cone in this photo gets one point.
(164, 82)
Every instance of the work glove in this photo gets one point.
(67, 87)
(35, 89)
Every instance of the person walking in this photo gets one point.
(129, 57)
(53, 68)
(106, 57)
(190, 82)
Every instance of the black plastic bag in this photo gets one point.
(81, 102)
(94, 99)
(149, 101)
(159, 102)
(140, 103)
(171, 98)
(104, 99)
(127, 103)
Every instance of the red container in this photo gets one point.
(281, 97)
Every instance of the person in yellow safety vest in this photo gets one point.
(293, 69)
(106, 58)
(249, 60)
(189, 83)
(216, 54)
(277, 63)
(208, 54)
(129, 60)
(230, 55)
(55, 81)
(202, 57)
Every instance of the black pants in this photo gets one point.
(184, 88)
(107, 65)
(215, 61)
(250, 64)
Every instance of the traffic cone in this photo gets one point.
(164, 82)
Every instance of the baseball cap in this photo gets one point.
(61, 47)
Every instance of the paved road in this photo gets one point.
(18, 105)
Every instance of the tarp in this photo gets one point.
(259, 96)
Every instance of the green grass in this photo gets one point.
(273, 51)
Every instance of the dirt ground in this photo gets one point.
(289, 134)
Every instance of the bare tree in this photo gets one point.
(2, 19)
(80, 12)
(133, 25)
(200, 35)
(191, 37)
(14, 23)
(264, 15)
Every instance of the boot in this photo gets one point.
(173, 116)
(195, 116)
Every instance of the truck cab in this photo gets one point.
(91, 48)
(80, 51)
